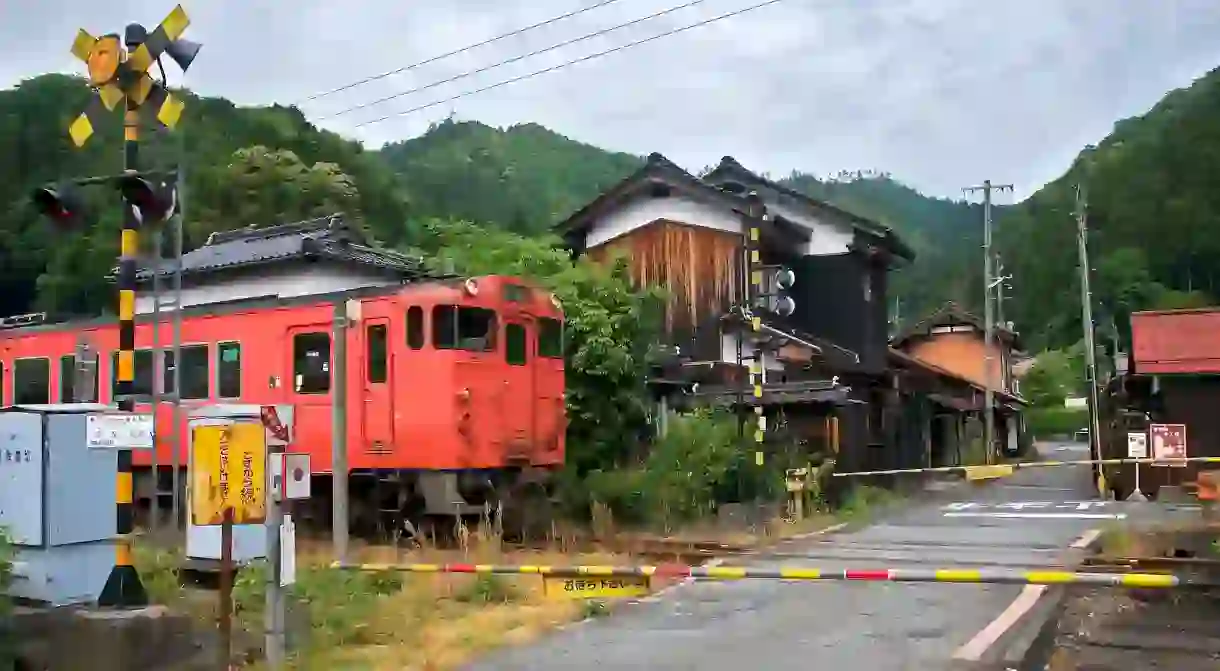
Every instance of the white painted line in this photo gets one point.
(974, 649)
(810, 534)
(1044, 516)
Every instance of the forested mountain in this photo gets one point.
(267, 165)
(286, 169)
(1154, 201)
(524, 178)
(1153, 189)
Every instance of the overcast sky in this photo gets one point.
(941, 93)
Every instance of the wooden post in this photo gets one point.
(224, 654)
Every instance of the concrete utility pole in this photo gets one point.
(338, 399)
(988, 317)
(1086, 316)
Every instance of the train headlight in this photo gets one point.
(555, 302)
(471, 287)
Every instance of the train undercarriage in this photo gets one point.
(389, 505)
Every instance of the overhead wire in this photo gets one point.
(460, 50)
(498, 64)
(575, 61)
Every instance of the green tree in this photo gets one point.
(265, 186)
(608, 326)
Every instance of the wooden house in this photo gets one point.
(952, 342)
(825, 364)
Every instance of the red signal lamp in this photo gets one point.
(61, 204)
(156, 201)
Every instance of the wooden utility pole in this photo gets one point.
(1090, 347)
(988, 317)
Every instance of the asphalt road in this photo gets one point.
(1025, 521)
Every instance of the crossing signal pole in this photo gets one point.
(759, 297)
(119, 74)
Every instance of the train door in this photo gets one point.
(307, 386)
(517, 398)
(377, 401)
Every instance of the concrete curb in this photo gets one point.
(1029, 645)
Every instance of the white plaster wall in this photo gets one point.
(643, 211)
(728, 353)
(287, 282)
(826, 237)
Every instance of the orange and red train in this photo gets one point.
(455, 388)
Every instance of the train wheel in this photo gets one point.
(528, 514)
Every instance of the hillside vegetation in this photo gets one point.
(1154, 219)
(1154, 201)
(267, 165)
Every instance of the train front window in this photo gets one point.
(550, 338)
(464, 328)
(515, 345)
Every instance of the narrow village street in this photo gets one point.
(1038, 518)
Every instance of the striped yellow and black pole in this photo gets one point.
(123, 587)
(757, 214)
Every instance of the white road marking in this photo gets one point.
(976, 647)
(1041, 516)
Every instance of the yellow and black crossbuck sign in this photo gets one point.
(119, 75)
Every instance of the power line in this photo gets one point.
(461, 50)
(572, 62)
(471, 73)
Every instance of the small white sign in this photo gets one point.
(296, 476)
(288, 552)
(119, 431)
(1137, 445)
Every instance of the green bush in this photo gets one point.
(701, 462)
(1047, 422)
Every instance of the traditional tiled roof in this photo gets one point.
(657, 170)
(951, 314)
(731, 171)
(329, 237)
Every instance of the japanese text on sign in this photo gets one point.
(130, 432)
(592, 588)
(16, 457)
(228, 472)
(1168, 443)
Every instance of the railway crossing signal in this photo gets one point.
(119, 73)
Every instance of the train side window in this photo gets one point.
(67, 378)
(515, 347)
(376, 352)
(3, 369)
(311, 362)
(415, 327)
(465, 328)
(143, 383)
(195, 382)
(228, 369)
(31, 381)
(550, 338)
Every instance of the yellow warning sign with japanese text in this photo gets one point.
(229, 471)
